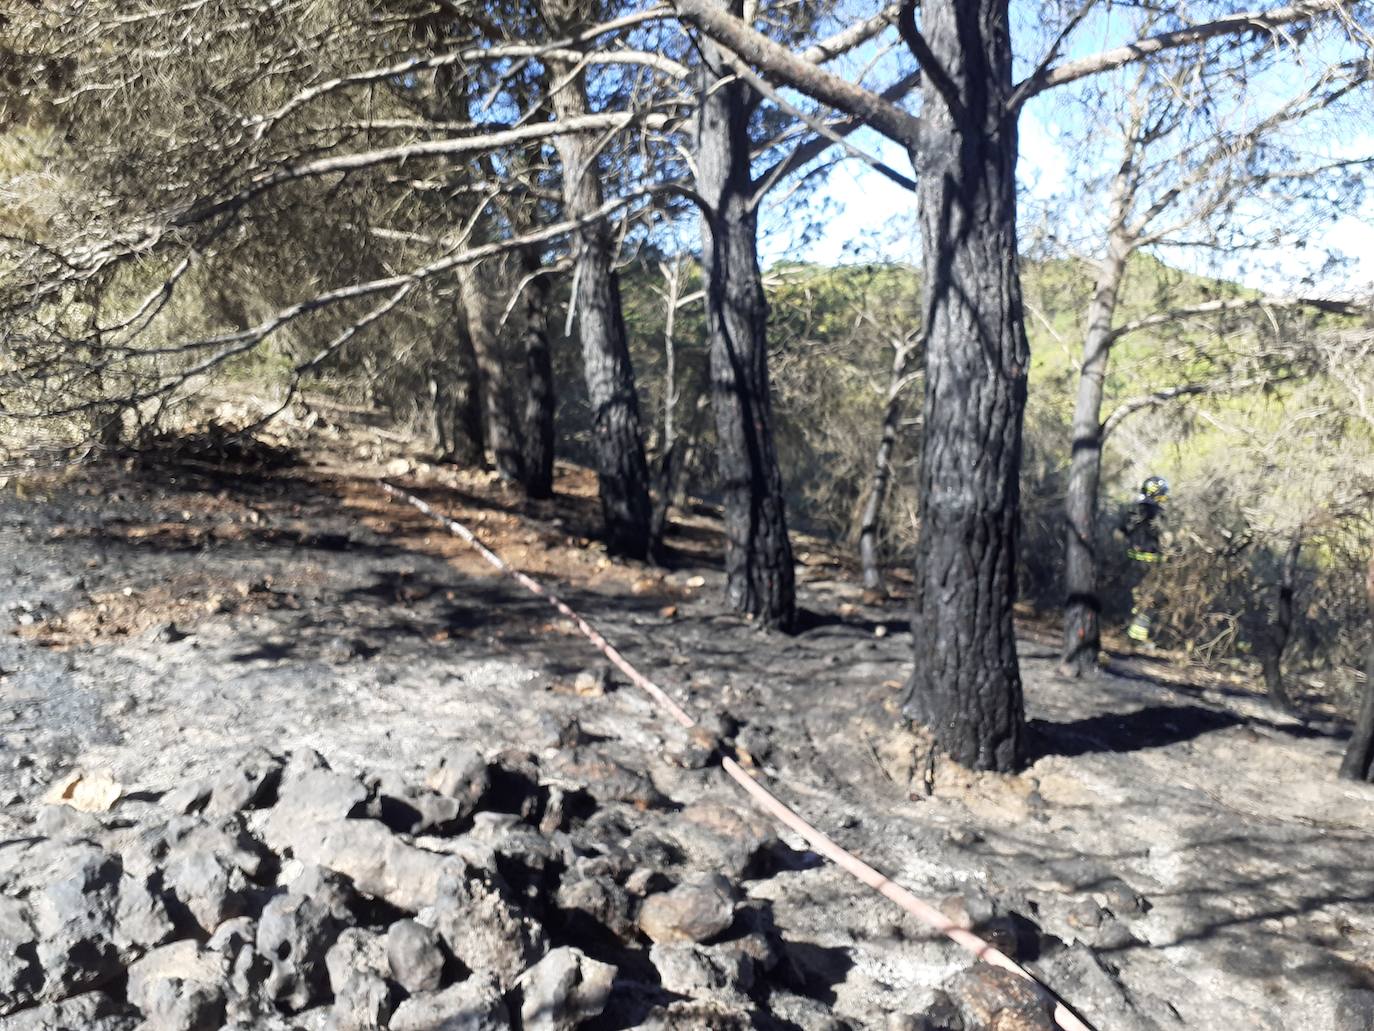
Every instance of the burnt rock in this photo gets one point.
(472, 1005)
(529, 863)
(696, 1015)
(462, 774)
(63, 823)
(210, 886)
(365, 851)
(180, 987)
(90, 1011)
(646, 847)
(357, 967)
(514, 785)
(690, 748)
(694, 911)
(605, 779)
(21, 978)
(295, 932)
(1098, 993)
(703, 971)
(74, 918)
(969, 909)
(562, 990)
(1120, 898)
(233, 935)
(251, 782)
(988, 997)
(753, 744)
(482, 928)
(356, 950)
(141, 918)
(408, 809)
(415, 959)
(312, 793)
(583, 897)
(755, 934)
(720, 836)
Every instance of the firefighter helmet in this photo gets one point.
(1156, 488)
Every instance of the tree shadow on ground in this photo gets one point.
(1154, 726)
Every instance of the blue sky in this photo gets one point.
(871, 218)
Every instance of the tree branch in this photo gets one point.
(1332, 307)
(757, 50)
(1235, 24)
(1167, 394)
(847, 39)
(810, 149)
(419, 149)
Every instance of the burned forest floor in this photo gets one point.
(1179, 854)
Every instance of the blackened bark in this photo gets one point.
(539, 397)
(966, 687)
(457, 403)
(1083, 604)
(1359, 754)
(760, 578)
(1279, 631)
(494, 374)
(622, 470)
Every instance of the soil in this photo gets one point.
(1179, 854)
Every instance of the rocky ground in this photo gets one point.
(341, 775)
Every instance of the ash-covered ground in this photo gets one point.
(278, 665)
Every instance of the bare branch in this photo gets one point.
(1331, 307)
(1163, 396)
(810, 149)
(1231, 25)
(847, 39)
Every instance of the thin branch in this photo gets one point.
(1231, 25)
(1020, 94)
(847, 39)
(1332, 307)
(1167, 394)
(810, 149)
(565, 49)
(418, 149)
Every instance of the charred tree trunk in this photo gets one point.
(622, 470)
(1359, 754)
(966, 686)
(871, 522)
(1279, 631)
(760, 577)
(493, 377)
(1083, 604)
(539, 397)
(457, 403)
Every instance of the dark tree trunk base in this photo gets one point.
(966, 686)
(760, 576)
